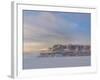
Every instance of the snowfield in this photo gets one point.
(31, 61)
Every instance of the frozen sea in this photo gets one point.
(31, 61)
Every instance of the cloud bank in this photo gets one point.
(44, 29)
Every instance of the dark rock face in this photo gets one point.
(67, 50)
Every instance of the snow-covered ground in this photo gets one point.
(31, 61)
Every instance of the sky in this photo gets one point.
(43, 29)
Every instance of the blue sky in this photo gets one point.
(43, 29)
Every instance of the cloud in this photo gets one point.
(34, 47)
(48, 25)
(47, 28)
